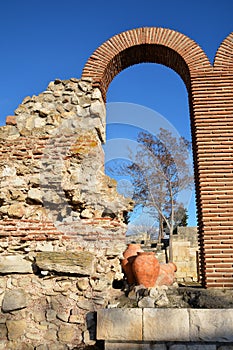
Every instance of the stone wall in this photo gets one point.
(49, 300)
(62, 225)
(186, 254)
(52, 169)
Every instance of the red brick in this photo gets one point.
(11, 120)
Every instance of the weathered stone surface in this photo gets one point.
(34, 194)
(14, 300)
(44, 247)
(100, 285)
(8, 171)
(17, 344)
(182, 347)
(15, 329)
(96, 95)
(3, 331)
(119, 324)
(51, 334)
(76, 319)
(87, 214)
(146, 302)
(97, 109)
(211, 325)
(63, 316)
(86, 304)
(162, 301)
(137, 346)
(42, 347)
(88, 339)
(83, 283)
(33, 335)
(155, 323)
(67, 333)
(79, 263)
(16, 211)
(15, 264)
(50, 315)
(154, 293)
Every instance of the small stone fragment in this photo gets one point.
(83, 283)
(16, 211)
(35, 195)
(146, 302)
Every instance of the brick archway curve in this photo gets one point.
(224, 55)
(149, 44)
(210, 91)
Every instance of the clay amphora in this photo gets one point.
(166, 274)
(129, 255)
(146, 268)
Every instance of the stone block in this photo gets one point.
(16, 211)
(166, 324)
(35, 195)
(14, 300)
(119, 324)
(211, 325)
(178, 347)
(66, 333)
(15, 264)
(15, 329)
(201, 346)
(67, 262)
(134, 346)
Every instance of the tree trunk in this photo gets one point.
(160, 229)
(171, 229)
(171, 245)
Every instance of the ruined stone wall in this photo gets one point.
(185, 254)
(52, 169)
(54, 308)
(62, 226)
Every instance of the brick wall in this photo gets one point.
(210, 90)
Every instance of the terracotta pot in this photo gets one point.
(173, 266)
(146, 268)
(166, 274)
(129, 255)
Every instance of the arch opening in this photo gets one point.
(136, 117)
(146, 53)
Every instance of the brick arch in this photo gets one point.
(224, 56)
(210, 91)
(149, 44)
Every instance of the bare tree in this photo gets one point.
(143, 227)
(159, 172)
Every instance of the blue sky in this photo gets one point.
(48, 39)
